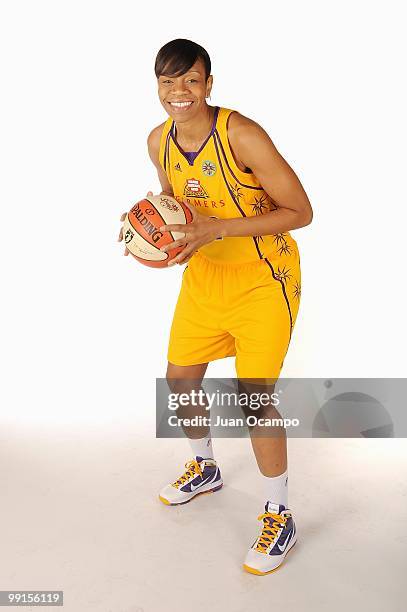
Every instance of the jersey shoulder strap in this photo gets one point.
(222, 121)
(164, 143)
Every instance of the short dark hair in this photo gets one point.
(177, 56)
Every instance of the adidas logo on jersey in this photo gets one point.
(178, 167)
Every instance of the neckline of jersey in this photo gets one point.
(194, 154)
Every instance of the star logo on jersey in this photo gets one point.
(178, 167)
(208, 167)
(297, 290)
(283, 274)
(194, 189)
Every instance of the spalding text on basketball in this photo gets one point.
(147, 225)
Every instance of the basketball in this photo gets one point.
(141, 231)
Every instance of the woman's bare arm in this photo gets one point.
(153, 143)
(254, 149)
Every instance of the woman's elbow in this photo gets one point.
(307, 216)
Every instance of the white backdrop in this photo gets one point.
(84, 329)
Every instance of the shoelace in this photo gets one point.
(192, 468)
(270, 530)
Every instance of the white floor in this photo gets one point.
(79, 513)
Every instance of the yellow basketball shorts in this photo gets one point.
(243, 310)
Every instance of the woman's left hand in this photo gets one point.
(201, 230)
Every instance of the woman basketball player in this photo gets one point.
(241, 289)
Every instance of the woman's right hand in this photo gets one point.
(122, 218)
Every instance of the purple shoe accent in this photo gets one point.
(287, 533)
(207, 474)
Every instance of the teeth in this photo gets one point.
(180, 104)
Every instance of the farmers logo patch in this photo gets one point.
(194, 189)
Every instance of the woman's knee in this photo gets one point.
(182, 379)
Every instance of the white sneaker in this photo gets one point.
(277, 537)
(201, 476)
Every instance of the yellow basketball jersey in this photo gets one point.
(211, 181)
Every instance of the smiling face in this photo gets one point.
(183, 97)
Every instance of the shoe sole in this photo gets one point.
(257, 572)
(168, 503)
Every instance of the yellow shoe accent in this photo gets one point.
(164, 501)
(192, 468)
(252, 570)
(265, 538)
